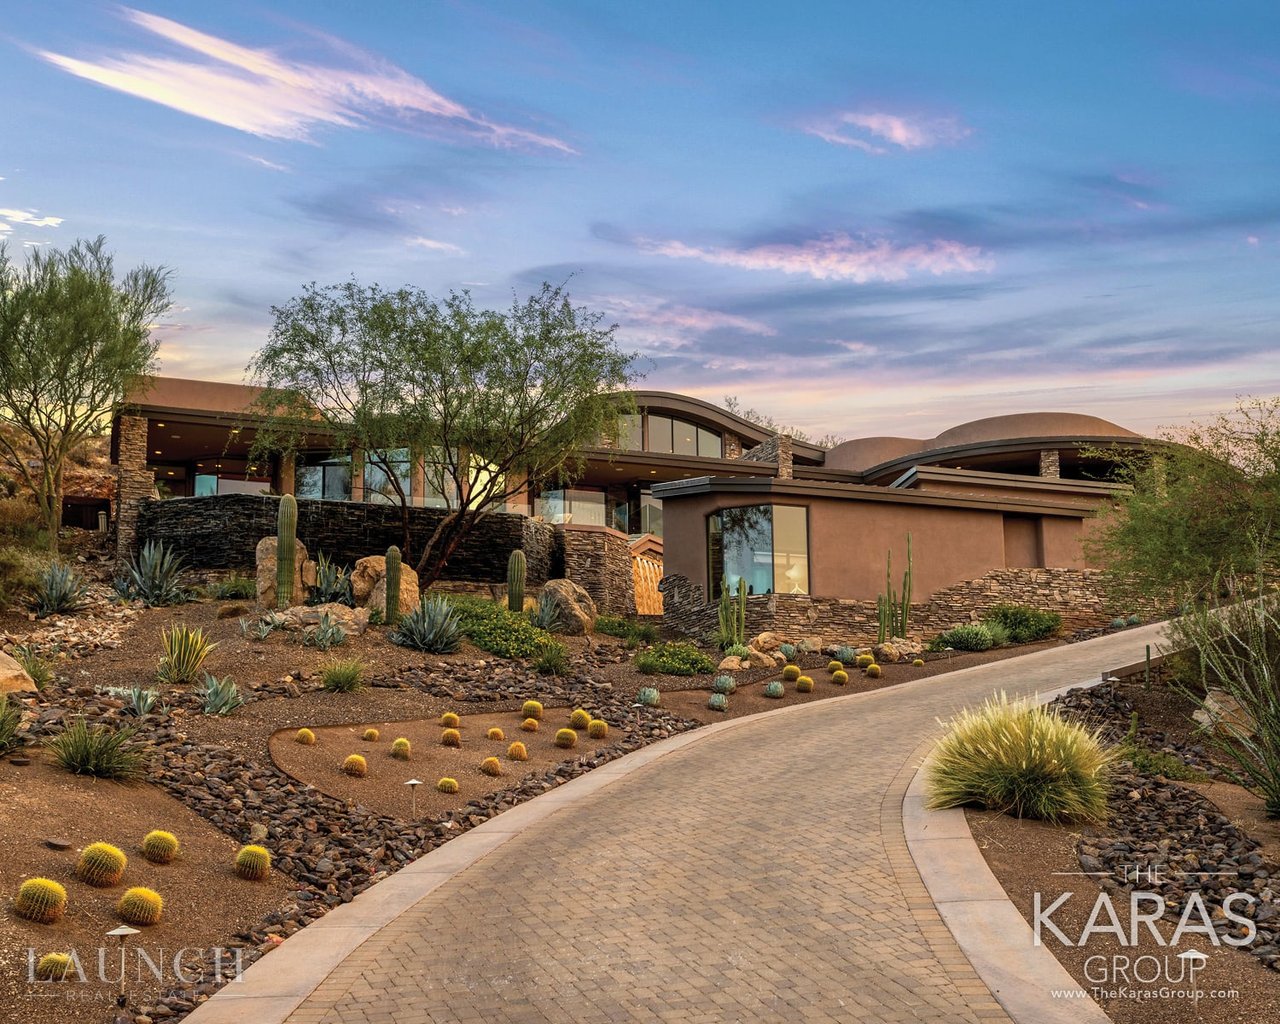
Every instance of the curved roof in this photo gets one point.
(713, 415)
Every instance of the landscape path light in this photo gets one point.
(121, 933)
(413, 785)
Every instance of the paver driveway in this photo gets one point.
(757, 874)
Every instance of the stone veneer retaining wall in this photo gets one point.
(1076, 594)
(599, 560)
(134, 482)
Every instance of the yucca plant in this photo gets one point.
(58, 588)
(152, 576)
(40, 671)
(326, 634)
(219, 696)
(184, 652)
(1021, 758)
(433, 627)
(346, 676)
(10, 719)
(100, 750)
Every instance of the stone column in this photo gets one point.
(286, 474)
(784, 456)
(1049, 463)
(134, 482)
(357, 474)
(732, 446)
(417, 479)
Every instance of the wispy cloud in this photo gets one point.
(27, 217)
(872, 132)
(673, 325)
(836, 257)
(264, 93)
(421, 242)
(270, 165)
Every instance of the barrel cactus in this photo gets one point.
(918, 663)
(864, 660)
(140, 906)
(834, 665)
(532, 709)
(517, 752)
(580, 719)
(718, 702)
(450, 720)
(773, 689)
(305, 736)
(566, 739)
(371, 735)
(160, 847)
(723, 684)
(41, 900)
(516, 569)
(101, 865)
(791, 673)
(253, 863)
(400, 749)
(496, 734)
(804, 685)
(355, 766)
(529, 725)
(392, 580)
(873, 671)
(447, 785)
(649, 697)
(598, 729)
(840, 677)
(450, 738)
(286, 549)
(53, 967)
(491, 766)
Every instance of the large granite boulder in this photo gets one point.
(369, 584)
(265, 559)
(13, 677)
(1225, 716)
(409, 595)
(365, 576)
(575, 611)
(306, 617)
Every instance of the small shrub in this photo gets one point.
(566, 739)
(41, 900)
(1025, 624)
(626, 629)
(400, 749)
(152, 576)
(529, 725)
(371, 736)
(517, 752)
(234, 588)
(355, 766)
(918, 663)
(788, 651)
(718, 702)
(140, 906)
(863, 660)
(649, 697)
(804, 685)
(450, 720)
(598, 729)
(873, 671)
(737, 651)
(59, 588)
(491, 766)
(723, 684)
(10, 720)
(325, 635)
(774, 689)
(253, 863)
(496, 734)
(219, 696)
(846, 655)
(580, 719)
(305, 736)
(498, 630)
(183, 652)
(1000, 636)
(345, 676)
(433, 626)
(160, 847)
(791, 673)
(54, 967)
(840, 677)
(451, 738)
(1021, 759)
(447, 785)
(100, 751)
(1155, 762)
(1133, 620)
(835, 665)
(532, 709)
(40, 671)
(101, 865)
(673, 659)
(971, 637)
(552, 660)
(1118, 623)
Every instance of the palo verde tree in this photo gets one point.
(490, 402)
(74, 340)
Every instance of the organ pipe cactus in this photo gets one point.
(517, 566)
(286, 549)
(894, 608)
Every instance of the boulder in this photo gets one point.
(761, 659)
(409, 595)
(767, 642)
(13, 677)
(354, 620)
(886, 653)
(265, 560)
(730, 664)
(810, 644)
(575, 611)
(365, 576)
(1222, 713)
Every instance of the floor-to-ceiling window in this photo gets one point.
(767, 545)
(323, 477)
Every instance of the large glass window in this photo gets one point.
(650, 514)
(768, 545)
(660, 434)
(377, 481)
(685, 438)
(710, 444)
(631, 436)
(329, 479)
(571, 506)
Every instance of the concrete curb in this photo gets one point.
(988, 928)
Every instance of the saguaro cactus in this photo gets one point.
(516, 566)
(286, 549)
(392, 616)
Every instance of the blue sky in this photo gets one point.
(861, 217)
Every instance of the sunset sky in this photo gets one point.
(862, 218)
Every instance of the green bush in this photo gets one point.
(345, 676)
(433, 626)
(999, 634)
(494, 628)
(552, 660)
(1022, 759)
(626, 629)
(1025, 624)
(58, 588)
(964, 638)
(737, 651)
(234, 588)
(152, 576)
(10, 719)
(40, 671)
(673, 659)
(101, 751)
(1155, 762)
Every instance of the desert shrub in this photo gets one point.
(649, 697)
(54, 967)
(804, 685)
(517, 752)
(598, 729)
(494, 628)
(447, 785)
(333, 583)
(433, 626)
(529, 725)
(58, 588)
(791, 673)
(219, 696)
(152, 576)
(345, 676)
(305, 736)
(10, 720)
(998, 633)
(40, 671)
(1155, 762)
(627, 629)
(718, 702)
(491, 766)
(532, 709)
(400, 749)
(20, 521)
(160, 847)
(1133, 620)
(1023, 759)
(579, 719)
(846, 655)
(972, 637)
(673, 659)
(41, 900)
(788, 651)
(566, 739)
(1118, 623)
(355, 766)
(450, 738)
(140, 906)
(184, 650)
(774, 689)
(371, 736)
(552, 660)
(737, 651)
(18, 569)
(234, 588)
(840, 677)
(723, 684)
(101, 865)
(1023, 623)
(253, 863)
(100, 751)
(496, 734)
(873, 671)
(326, 633)
(450, 720)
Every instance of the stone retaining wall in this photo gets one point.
(599, 560)
(1076, 594)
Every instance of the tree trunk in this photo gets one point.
(51, 505)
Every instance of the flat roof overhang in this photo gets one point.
(888, 471)
(606, 466)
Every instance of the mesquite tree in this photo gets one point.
(74, 340)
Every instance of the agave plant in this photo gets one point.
(326, 634)
(59, 588)
(219, 696)
(152, 575)
(184, 652)
(546, 614)
(33, 664)
(433, 627)
(333, 583)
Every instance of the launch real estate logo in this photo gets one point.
(1169, 974)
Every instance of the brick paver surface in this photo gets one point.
(758, 875)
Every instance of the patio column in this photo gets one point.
(417, 479)
(134, 481)
(357, 474)
(286, 474)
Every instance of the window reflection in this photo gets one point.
(767, 545)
